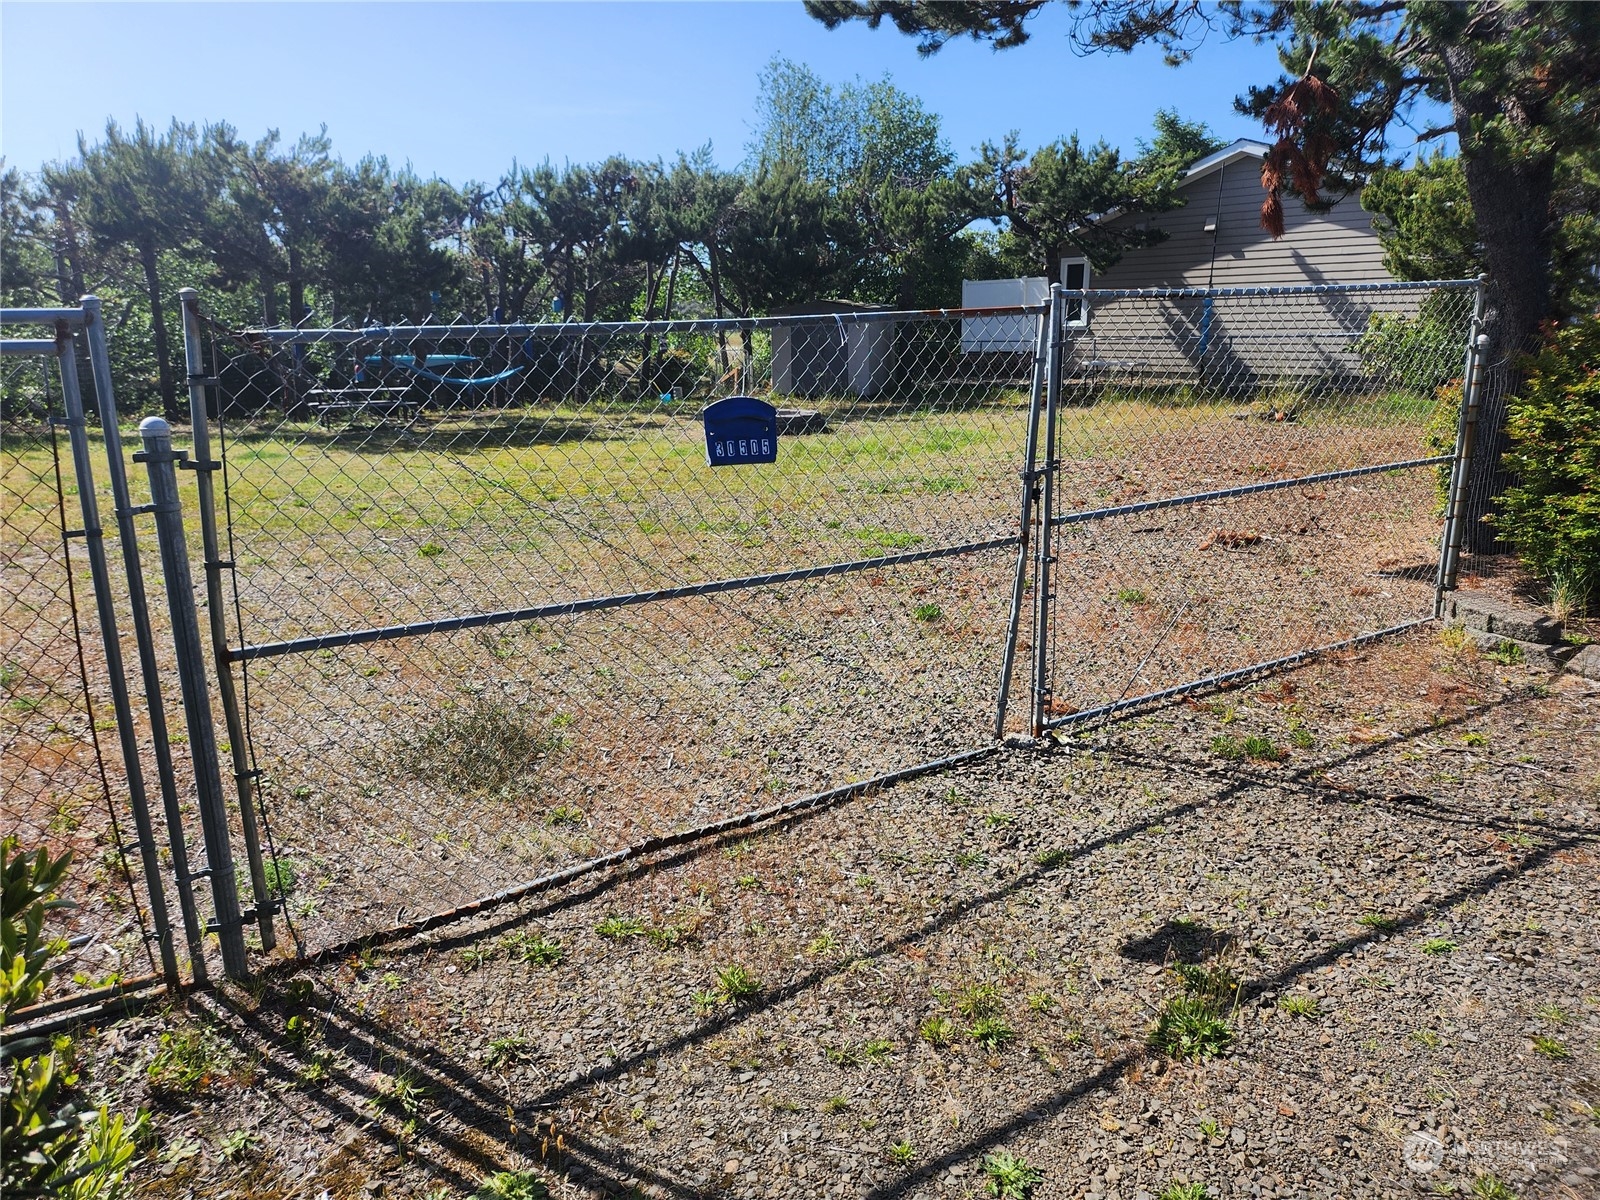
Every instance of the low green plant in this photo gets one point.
(1185, 1191)
(836, 1104)
(564, 814)
(927, 612)
(1261, 749)
(1008, 1176)
(1439, 945)
(512, 1185)
(991, 1033)
(1507, 654)
(978, 1000)
(1551, 1048)
(1378, 922)
(525, 946)
(49, 1143)
(616, 928)
(238, 1144)
(1226, 746)
(902, 1153)
(937, 1030)
(1553, 1013)
(1130, 596)
(187, 1059)
(1301, 738)
(503, 1051)
(1215, 981)
(1049, 860)
(1474, 739)
(1549, 512)
(1490, 1187)
(1041, 1002)
(823, 943)
(735, 985)
(1210, 1128)
(400, 1091)
(1192, 1027)
(1300, 1006)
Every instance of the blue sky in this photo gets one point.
(460, 90)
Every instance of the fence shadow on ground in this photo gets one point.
(521, 1132)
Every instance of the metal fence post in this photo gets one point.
(1461, 467)
(1044, 554)
(1030, 501)
(94, 332)
(161, 461)
(203, 466)
(105, 607)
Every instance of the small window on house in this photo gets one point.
(1075, 277)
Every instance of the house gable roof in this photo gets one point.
(1243, 148)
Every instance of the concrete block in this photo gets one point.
(1511, 621)
(1586, 662)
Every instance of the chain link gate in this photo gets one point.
(62, 667)
(495, 618)
(1240, 478)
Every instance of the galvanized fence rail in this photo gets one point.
(1240, 478)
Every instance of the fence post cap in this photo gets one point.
(155, 427)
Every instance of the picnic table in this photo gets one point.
(383, 402)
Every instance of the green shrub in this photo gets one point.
(1552, 512)
(49, 1144)
(1421, 353)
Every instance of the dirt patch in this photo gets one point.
(1405, 891)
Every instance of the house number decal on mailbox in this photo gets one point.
(740, 429)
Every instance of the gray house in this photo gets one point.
(1216, 241)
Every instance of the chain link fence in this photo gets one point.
(65, 786)
(1244, 476)
(496, 613)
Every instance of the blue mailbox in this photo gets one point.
(740, 429)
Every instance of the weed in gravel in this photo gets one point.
(937, 1030)
(617, 928)
(1261, 749)
(735, 985)
(1191, 1026)
(902, 1153)
(1185, 1191)
(1439, 945)
(400, 1091)
(1453, 637)
(1300, 737)
(503, 1051)
(978, 1000)
(996, 819)
(665, 937)
(526, 947)
(187, 1060)
(1300, 1006)
(927, 612)
(991, 1032)
(971, 858)
(1041, 1002)
(1049, 860)
(238, 1144)
(705, 1002)
(836, 1104)
(877, 1050)
(512, 1185)
(1228, 747)
(564, 814)
(823, 943)
(1210, 1128)
(1552, 1013)
(1009, 1176)
(481, 747)
(1215, 982)
(1551, 1049)
(1474, 739)
(1489, 1187)
(1378, 923)
(1427, 1039)
(474, 957)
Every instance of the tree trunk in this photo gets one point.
(1511, 202)
(158, 330)
(69, 259)
(269, 300)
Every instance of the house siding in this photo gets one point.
(1234, 344)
